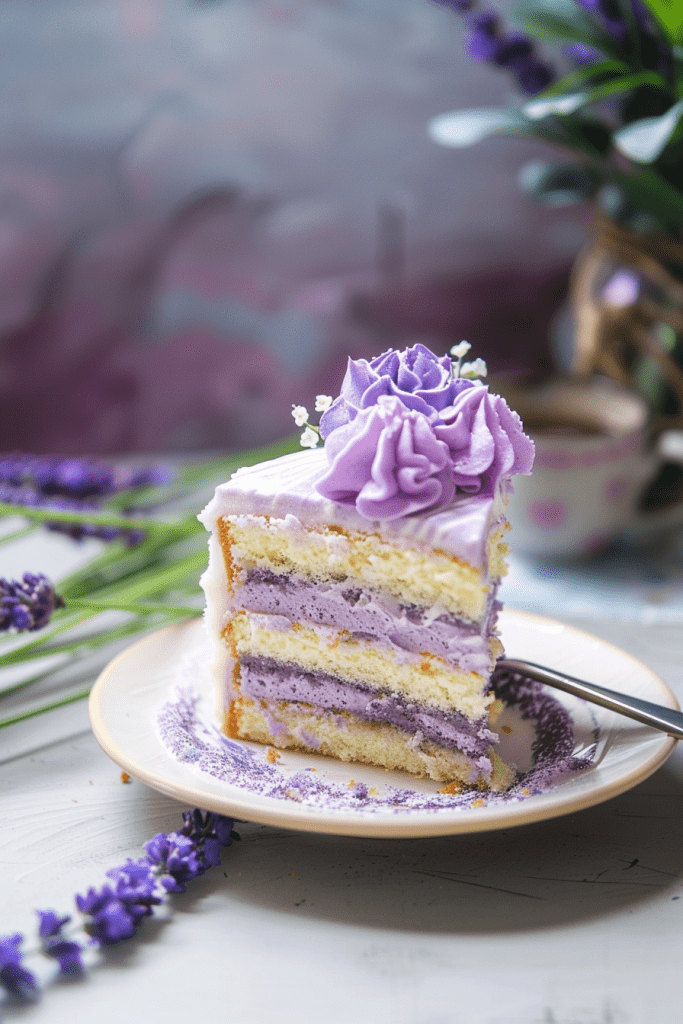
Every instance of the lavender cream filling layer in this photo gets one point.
(266, 679)
(367, 615)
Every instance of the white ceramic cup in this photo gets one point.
(595, 456)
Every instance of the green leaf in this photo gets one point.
(568, 104)
(647, 190)
(568, 83)
(562, 21)
(669, 14)
(554, 184)
(644, 141)
(462, 128)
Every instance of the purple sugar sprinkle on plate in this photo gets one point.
(193, 741)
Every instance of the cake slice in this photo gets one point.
(351, 590)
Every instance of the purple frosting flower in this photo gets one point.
(486, 441)
(388, 463)
(406, 436)
(422, 381)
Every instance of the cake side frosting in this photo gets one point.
(285, 487)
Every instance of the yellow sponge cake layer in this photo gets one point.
(421, 577)
(348, 738)
(424, 678)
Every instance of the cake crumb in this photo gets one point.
(452, 787)
(373, 792)
(506, 729)
(272, 756)
(478, 803)
(125, 777)
(292, 874)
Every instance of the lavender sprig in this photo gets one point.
(114, 912)
(27, 604)
(80, 486)
(148, 584)
(514, 52)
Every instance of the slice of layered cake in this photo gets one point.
(351, 589)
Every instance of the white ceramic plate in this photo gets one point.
(135, 686)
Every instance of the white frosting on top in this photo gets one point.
(284, 487)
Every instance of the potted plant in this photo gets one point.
(610, 101)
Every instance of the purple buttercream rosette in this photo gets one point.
(406, 436)
(387, 462)
(420, 379)
(486, 440)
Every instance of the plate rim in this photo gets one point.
(364, 824)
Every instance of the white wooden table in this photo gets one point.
(578, 920)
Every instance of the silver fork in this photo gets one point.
(659, 717)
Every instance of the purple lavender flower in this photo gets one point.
(135, 887)
(459, 6)
(224, 828)
(514, 52)
(66, 952)
(20, 494)
(177, 859)
(27, 604)
(14, 977)
(78, 478)
(608, 14)
(109, 919)
(76, 485)
(200, 827)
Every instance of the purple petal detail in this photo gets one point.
(14, 977)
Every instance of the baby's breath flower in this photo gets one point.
(458, 351)
(309, 438)
(477, 368)
(323, 402)
(300, 414)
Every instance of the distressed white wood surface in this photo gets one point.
(573, 921)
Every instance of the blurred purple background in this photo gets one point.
(206, 206)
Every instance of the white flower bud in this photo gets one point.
(322, 402)
(300, 414)
(458, 351)
(477, 368)
(309, 438)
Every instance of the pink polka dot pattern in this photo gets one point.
(616, 489)
(549, 515)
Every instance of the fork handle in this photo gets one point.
(656, 715)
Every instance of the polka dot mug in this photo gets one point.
(596, 457)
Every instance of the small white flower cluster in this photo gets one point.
(311, 435)
(477, 368)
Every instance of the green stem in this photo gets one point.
(84, 646)
(156, 581)
(21, 654)
(123, 560)
(181, 528)
(132, 606)
(18, 534)
(45, 707)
